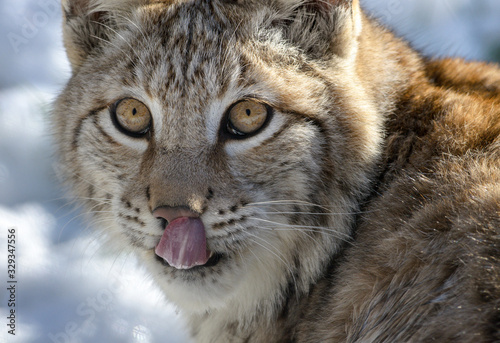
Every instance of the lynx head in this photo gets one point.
(228, 143)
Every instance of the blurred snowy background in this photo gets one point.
(69, 290)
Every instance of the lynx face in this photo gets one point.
(208, 137)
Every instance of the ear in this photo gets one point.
(87, 24)
(323, 28)
(83, 29)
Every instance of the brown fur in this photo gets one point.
(368, 210)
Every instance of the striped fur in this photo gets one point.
(366, 210)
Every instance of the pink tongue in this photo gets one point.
(184, 244)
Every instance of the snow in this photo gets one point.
(69, 288)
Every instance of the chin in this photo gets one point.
(226, 282)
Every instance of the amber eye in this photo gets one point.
(132, 117)
(247, 117)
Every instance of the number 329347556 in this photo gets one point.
(11, 249)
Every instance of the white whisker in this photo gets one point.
(87, 213)
(323, 231)
(287, 202)
(312, 213)
(297, 226)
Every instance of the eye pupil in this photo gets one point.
(248, 112)
(134, 111)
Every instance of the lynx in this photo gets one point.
(287, 170)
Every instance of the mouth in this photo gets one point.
(213, 260)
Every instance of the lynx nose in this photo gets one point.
(172, 213)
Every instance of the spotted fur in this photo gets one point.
(366, 210)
